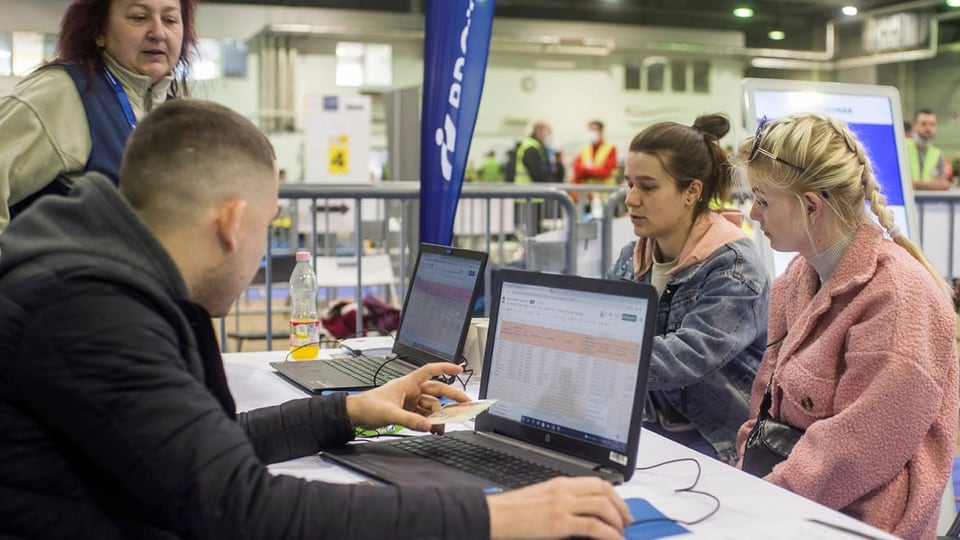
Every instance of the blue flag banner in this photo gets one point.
(455, 48)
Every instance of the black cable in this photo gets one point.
(385, 362)
(445, 379)
(688, 489)
(372, 438)
(467, 370)
(774, 342)
(469, 374)
(351, 350)
(395, 435)
(358, 352)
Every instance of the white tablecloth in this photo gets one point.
(750, 508)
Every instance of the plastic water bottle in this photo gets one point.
(304, 320)
(596, 206)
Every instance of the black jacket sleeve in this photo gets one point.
(537, 166)
(110, 382)
(297, 428)
(560, 172)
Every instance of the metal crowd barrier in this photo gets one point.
(337, 220)
(610, 209)
(938, 218)
(938, 215)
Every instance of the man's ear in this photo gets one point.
(229, 217)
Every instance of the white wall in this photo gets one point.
(940, 92)
(32, 16)
(569, 98)
(583, 88)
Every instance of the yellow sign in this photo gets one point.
(339, 155)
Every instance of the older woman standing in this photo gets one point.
(862, 361)
(116, 61)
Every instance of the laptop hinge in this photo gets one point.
(607, 472)
(552, 454)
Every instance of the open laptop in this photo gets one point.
(433, 325)
(567, 359)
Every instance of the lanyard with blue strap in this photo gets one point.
(122, 96)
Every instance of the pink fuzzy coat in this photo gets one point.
(868, 367)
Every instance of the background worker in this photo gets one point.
(927, 166)
(597, 161)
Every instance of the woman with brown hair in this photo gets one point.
(712, 317)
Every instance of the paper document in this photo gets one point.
(452, 413)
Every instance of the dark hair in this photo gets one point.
(188, 154)
(689, 153)
(85, 20)
(597, 123)
(923, 111)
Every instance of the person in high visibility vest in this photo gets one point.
(927, 167)
(533, 163)
(597, 162)
(491, 171)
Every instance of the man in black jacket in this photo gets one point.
(115, 416)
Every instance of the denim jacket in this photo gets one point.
(711, 335)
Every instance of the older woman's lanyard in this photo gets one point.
(122, 96)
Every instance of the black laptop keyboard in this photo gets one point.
(499, 467)
(363, 368)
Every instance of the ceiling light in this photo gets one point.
(953, 3)
(849, 11)
(776, 35)
(743, 12)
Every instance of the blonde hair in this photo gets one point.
(834, 164)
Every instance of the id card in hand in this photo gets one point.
(452, 413)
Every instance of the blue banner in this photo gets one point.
(455, 47)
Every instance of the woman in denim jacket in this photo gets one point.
(714, 288)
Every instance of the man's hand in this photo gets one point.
(404, 401)
(559, 508)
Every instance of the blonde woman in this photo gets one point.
(862, 360)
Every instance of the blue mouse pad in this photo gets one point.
(644, 526)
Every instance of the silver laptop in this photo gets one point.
(433, 326)
(567, 359)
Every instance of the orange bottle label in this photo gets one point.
(304, 338)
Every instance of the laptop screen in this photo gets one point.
(566, 361)
(439, 301)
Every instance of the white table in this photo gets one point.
(750, 507)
